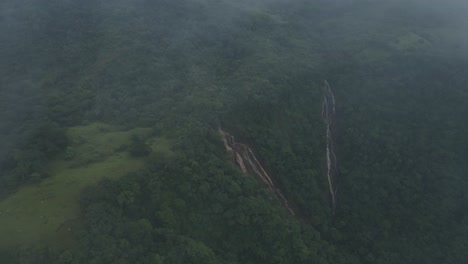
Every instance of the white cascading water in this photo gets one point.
(328, 115)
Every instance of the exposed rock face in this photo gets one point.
(244, 158)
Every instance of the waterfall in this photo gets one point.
(328, 115)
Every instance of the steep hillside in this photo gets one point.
(110, 150)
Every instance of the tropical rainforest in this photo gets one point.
(242, 131)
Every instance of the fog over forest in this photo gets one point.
(245, 131)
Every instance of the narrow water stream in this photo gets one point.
(328, 115)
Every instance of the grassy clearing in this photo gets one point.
(410, 42)
(48, 211)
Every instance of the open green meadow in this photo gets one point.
(48, 211)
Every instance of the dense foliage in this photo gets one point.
(184, 67)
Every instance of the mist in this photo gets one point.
(248, 131)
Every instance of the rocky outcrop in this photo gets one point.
(244, 158)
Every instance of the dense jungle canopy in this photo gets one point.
(346, 121)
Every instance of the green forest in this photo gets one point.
(347, 122)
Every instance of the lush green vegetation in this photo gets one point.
(109, 150)
(43, 211)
